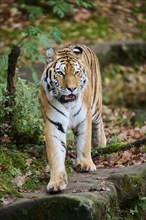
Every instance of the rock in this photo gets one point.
(89, 196)
(130, 184)
(120, 52)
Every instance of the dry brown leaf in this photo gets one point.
(126, 156)
(28, 162)
(19, 180)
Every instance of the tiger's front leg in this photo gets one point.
(56, 150)
(83, 142)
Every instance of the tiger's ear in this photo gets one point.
(50, 54)
(77, 50)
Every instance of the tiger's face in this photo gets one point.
(66, 75)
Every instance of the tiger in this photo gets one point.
(71, 98)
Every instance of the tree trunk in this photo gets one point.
(11, 77)
(11, 88)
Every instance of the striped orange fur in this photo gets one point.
(71, 98)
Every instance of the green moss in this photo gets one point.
(13, 158)
(130, 180)
(143, 149)
(6, 186)
(116, 147)
(11, 163)
(99, 150)
(14, 164)
(129, 187)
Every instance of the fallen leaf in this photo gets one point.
(19, 180)
(4, 167)
(125, 157)
(28, 162)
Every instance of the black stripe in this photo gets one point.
(63, 144)
(77, 112)
(50, 72)
(96, 113)
(57, 124)
(56, 137)
(94, 90)
(78, 133)
(83, 119)
(96, 123)
(96, 116)
(87, 58)
(57, 109)
(81, 122)
(97, 119)
(46, 75)
(48, 86)
(51, 83)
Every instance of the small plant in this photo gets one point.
(27, 121)
(137, 210)
(61, 7)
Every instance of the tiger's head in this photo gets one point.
(65, 76)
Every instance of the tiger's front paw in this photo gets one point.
(58, 183)
(85, 165)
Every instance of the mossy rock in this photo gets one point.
(85, 206)
(130, 184)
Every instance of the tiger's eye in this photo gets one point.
(77, 72)
(60, 73)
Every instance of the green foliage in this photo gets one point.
(27, 121)
(86, 4)
(4, 66)
(70, 140)
(56, 34)
(61, 7)
(137, 210)
(34, 37)
(34, 11)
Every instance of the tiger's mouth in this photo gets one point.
(67, 98)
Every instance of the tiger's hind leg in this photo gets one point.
(98, 134)
(83, 142)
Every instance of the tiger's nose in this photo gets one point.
(71, 88)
